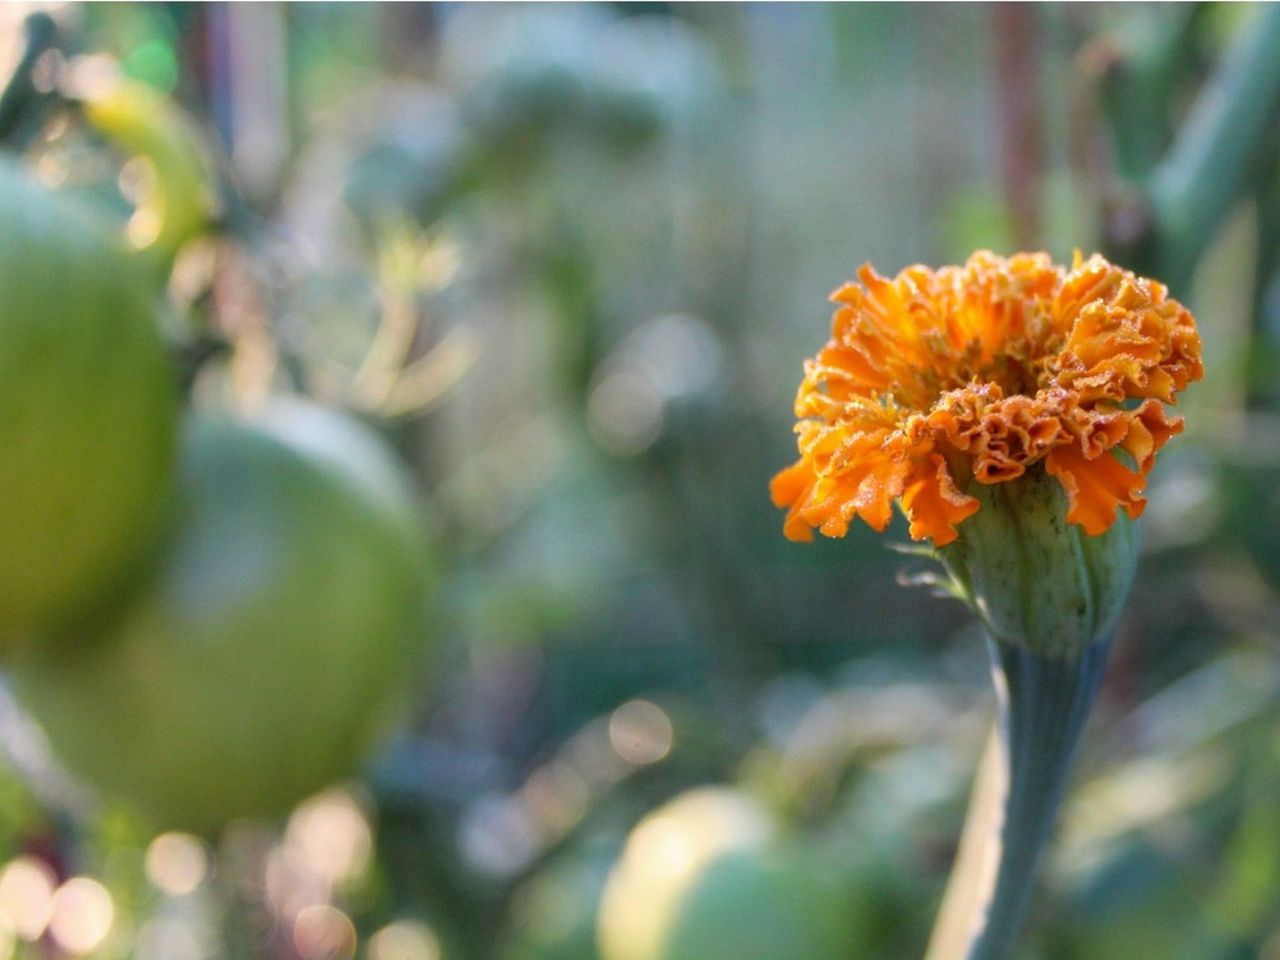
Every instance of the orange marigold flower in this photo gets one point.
(939, 378)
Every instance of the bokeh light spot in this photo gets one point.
(176, 863)
(51, 169)
(322, 932)
(26, 896)
(330, 836)
(143, 227)
(624, 413)
(138, 179)
(498, 835)
(641, 732)
(405, 940)
(82, 915)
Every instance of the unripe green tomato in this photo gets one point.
(708, 877)
(88, 411)
(272, 642)
(760, 904)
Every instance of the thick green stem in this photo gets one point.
(1043, 702)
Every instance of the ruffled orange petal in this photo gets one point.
(1096, 487)
(934, 504)
(882, 485)
(790, 488)
(838, 362)
(1149, 429)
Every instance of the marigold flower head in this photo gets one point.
(936, 379)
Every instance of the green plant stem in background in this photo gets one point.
(1043, 703)
(22, 105)
(1140, 69)
(1212, 159)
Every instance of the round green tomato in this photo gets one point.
(88, 411)
(759, 904)
(709, 877)
(271, 643)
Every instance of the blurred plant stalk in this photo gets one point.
(1167, 209)
(1021, 150)
(27, 96)
(1043, 702)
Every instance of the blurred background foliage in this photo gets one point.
(571, 258)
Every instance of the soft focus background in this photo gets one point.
(571, 258)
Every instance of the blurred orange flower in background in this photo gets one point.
(938, 378)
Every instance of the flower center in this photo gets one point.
(1021, 365)
(1017, 372)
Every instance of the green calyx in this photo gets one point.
(1034, 579)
